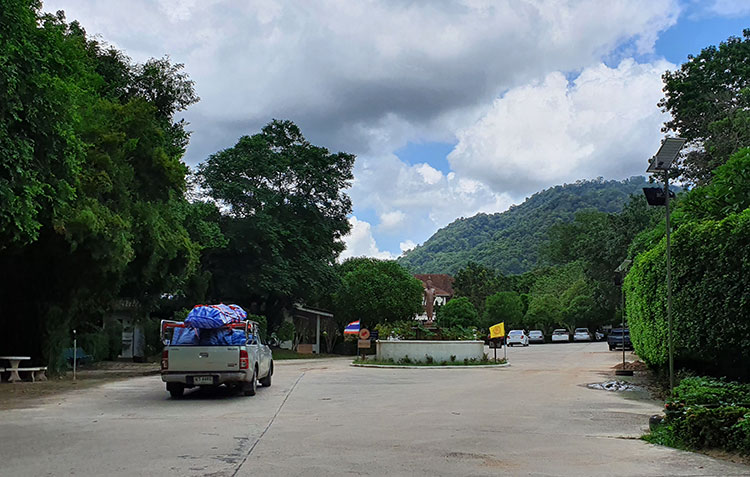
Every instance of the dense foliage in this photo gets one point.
(94, 209)
(285, 219)
(707, 413)
(711, 276)
(503, 307)
(458, 312)
(376, 291)
(92, 185)
(510, 242)
(708, 100)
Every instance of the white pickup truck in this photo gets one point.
(187, 366)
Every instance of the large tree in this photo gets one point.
(91, 182)
(503, 307)
(458, 312)
(376, 291)
(708, 100)
(476, 282)
(285, 216)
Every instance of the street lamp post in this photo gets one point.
(661, 162)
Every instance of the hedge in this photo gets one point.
(710, 298)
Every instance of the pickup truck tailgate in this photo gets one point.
(204, 358)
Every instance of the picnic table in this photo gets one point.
(15, 361)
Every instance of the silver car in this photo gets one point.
(536, 336)
(582, 334)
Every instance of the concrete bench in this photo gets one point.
(37, 374)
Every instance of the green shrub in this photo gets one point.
(285, 331)
(710, 391)
(405, 360)
(458, 312)
(710, 279)
(703, 427)
(428, 359)
(740, 435)
(262, 323)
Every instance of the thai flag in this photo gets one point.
(352, 328)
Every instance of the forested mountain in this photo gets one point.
(510, 241)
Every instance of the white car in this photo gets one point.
(582, 334)
(560, 336)
(517, 337)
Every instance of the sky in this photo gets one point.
(452, 108)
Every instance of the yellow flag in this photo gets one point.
(497, 331)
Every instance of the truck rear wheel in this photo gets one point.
(176, 390)
(249, 387)
(266, 382)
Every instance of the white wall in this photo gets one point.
(439, 350)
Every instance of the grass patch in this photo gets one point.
(282, 354)
(664, 436)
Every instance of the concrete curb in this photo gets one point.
(398, 366)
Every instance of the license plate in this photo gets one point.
(198, 380)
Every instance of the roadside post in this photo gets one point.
(75, 352)
(497, 331)
(661, 163)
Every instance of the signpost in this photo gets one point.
(497, 331)
(364, 340)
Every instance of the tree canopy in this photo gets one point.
(376, 291)
(708, 100)
(458, 312)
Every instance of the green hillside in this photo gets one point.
(510, 241)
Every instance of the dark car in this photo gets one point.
(617, 339)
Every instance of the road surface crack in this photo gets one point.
(250, 451)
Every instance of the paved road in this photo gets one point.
(323, 417)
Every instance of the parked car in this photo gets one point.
(598, 336)
(581, 334)
(517, 337)
(536, 336)
(560, 336)
(616, 339)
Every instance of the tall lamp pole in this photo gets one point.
(661, 162)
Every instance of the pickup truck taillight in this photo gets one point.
(244, 359)
(164, 360)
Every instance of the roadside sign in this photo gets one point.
(498, 330)
(363, 344)
(364, 334)
(374, 335)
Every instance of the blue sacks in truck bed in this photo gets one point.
(184, 336)
(214, 316)
(222, 337)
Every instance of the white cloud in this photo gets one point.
(429, 173)
(363, 76)
(391, 220)
(604, 123)
(407, 245)
(366, 77)
(729, 8)
(360, 242)
(385, 183)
